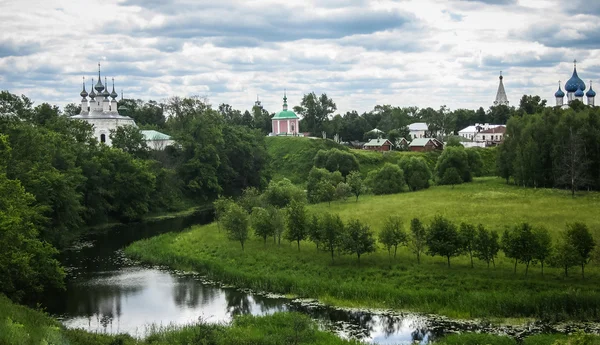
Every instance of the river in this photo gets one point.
(108, 293)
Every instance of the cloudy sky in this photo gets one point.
(361, 53)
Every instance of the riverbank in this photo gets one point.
(401, 284)
(188, 211)
(20, 325)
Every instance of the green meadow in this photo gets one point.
(402, 284)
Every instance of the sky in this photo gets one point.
(423, 53)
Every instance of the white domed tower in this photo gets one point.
(560, 96)
(591, 94)
(573, 85)
(103, 114)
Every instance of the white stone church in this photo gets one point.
(102, 113)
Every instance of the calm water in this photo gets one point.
(106, 292)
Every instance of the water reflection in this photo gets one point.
(106, 292)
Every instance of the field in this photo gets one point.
(402, 284)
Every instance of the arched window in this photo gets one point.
(102, 138)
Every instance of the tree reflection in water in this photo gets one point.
(238, 303)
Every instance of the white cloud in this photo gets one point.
(361, 53)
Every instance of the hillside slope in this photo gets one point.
(292, 157)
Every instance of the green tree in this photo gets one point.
(454, 157)
(443, 238)
(416, 172)
(236, 223)
(278, 219)
(355, 182)
(296, 222)
(243, 159)
(393, 235)
(418, 238)
(582, 242)
(131, 140)
(468, 235)
(250, 199)
(505, 159)
(564, 254)
(486, 245)
(27, 265)
(358, 239)
(72, 109)
(314, 230)
(200, 133)
(314, 111)
(343, 191)
(543, 246)
(325, 192)
(451, 177)
(475, 162)
(281, 193)
(320, 185)
(221, 205)
(531, 105)
(519, 243)
(262, 223)
(387, 180)
(332, 231)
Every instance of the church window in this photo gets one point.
(102, 138)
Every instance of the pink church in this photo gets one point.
(286, 122)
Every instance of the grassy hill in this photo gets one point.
(401, 283)
(292, 157)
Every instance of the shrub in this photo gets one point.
(387, 180)
(416, 172)
(457, 158)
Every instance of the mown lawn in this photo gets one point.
(401, 283)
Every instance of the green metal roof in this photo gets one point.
(420, 141)
(376, 142)
(285, 114)
(155, 135)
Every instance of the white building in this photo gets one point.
(417, 130)
(157, 140)
(491, 136)
(575, 88)
(102, 113)
(471, 131)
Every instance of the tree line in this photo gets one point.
(527, 245)
(60, 181)
(553, 148)
(318, 114)
(335, 174)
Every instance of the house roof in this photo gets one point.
(499, 129)
(418, 126)
(473, 128)
(377, 142)
(285, 114)
(154, 135)
(423, 141)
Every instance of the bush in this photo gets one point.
(416, 172)
(280, 194)
(457, 158)
(336, 160)
(387, 180)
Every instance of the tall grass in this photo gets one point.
(380, 281)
